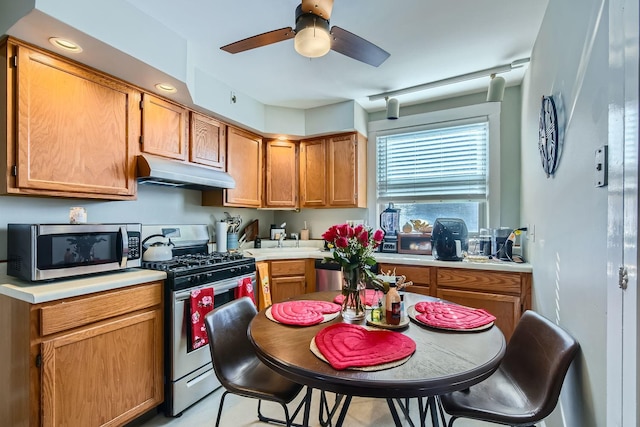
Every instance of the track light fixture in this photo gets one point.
(495, 93)
(456, 79)
(393, 108)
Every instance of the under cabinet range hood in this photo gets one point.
(174, 173)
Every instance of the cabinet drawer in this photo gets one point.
(70, 314)
(294, 267)
(479, 280)
(421, 275)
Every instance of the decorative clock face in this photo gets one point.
(548, 143)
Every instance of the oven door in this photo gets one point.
(184, 359)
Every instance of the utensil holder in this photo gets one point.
(232, 241)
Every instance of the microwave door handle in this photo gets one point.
(123, 246)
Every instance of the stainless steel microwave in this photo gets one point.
(53, 251)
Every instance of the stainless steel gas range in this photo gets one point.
(189, 372)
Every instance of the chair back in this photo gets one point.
(229, 343)
(537, 358)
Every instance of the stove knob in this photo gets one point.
(197, 279)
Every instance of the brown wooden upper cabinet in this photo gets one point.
(244, 164)
(333, 171)
(281, 174)
(70, 130)
(313, 173)
(164, 128)
(208, 141)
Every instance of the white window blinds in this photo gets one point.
(448, 163)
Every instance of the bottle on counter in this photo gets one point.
(376, 313)
(392, 306)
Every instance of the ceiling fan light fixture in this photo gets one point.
(312, 36)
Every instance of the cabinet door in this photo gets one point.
(283, 288)
(420, 276)
(347, 172)
(313, 173)
(281, 174)
(120, 375)
(77, 130)
(244, 164)
(208, 143)
(164, 128)
(506, 308)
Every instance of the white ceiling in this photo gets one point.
(428, 40)
(179, 42)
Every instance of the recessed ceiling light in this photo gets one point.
(166, 87)
(65, 44)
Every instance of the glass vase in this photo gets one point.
(353, 289)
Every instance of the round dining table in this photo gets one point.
(444, 360)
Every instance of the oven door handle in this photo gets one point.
(219, 289)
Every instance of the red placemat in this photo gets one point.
(371, 297)
(452, 316)
(302, 312)
(345, 345)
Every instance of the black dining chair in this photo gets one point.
(237, 366)
(526, 386)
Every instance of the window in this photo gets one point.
(438, 169)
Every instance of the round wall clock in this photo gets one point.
(548, 143)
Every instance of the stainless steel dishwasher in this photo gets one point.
(328, 276)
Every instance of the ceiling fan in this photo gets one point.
(313, 38)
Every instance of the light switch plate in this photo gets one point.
(601, 166)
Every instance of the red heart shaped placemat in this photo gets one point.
(302, 312)
(370, 299)
(452, 316)
(345, 345)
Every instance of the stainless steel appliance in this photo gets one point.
(390, 224)
(53, 251)
(328, 276)
(189, 372)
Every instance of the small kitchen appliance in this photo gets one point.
(54, 251)
(501, 249)
(449, 239)
(189, 372)
(390, 224)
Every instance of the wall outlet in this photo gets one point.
(531, 232)
(232, 98)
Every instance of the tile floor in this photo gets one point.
(242, 412)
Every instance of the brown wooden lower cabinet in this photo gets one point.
(94, 360)
(420, 276)
(506, 295)
(288, 279)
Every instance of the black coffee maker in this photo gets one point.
(390, 224)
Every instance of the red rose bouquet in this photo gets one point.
(353, 249)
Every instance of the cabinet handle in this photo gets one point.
(39, 360)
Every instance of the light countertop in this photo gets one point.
(49, 291)
(288, 252)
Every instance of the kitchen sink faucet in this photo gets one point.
(295, 236)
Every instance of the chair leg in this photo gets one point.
(220, 408)
(288, 420)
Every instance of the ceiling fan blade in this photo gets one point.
(319, 7)
(356, 47)
(260, 40)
